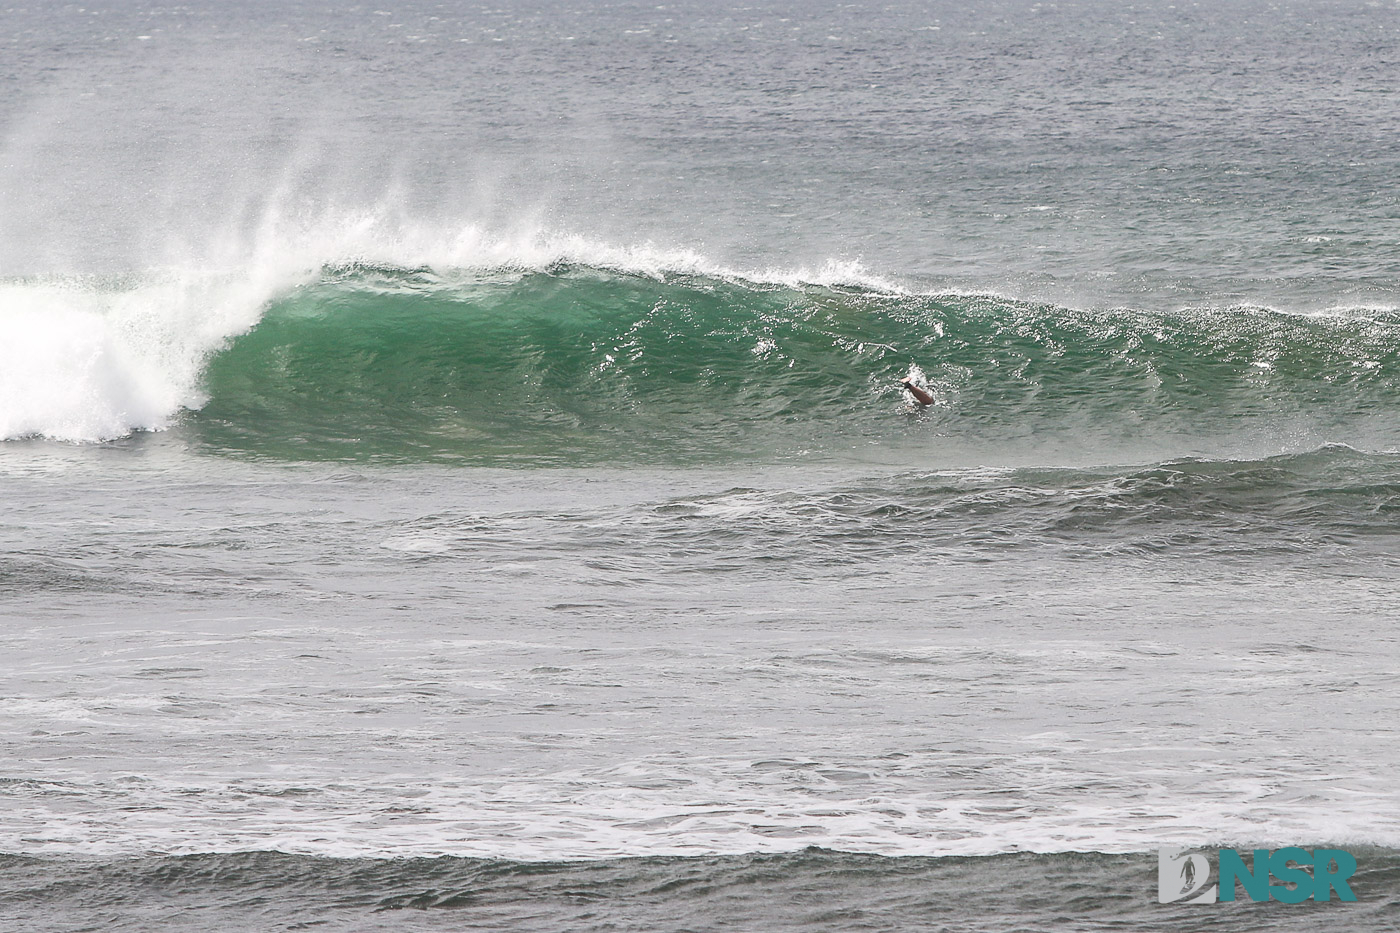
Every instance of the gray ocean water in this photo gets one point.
(454, 474)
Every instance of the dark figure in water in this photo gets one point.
(920, 395)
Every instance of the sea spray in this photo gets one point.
(93, 359)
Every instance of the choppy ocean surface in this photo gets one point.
(454, 473)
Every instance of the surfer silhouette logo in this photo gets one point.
(1183, 876)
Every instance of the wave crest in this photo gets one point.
(537, 356)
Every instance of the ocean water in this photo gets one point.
(454, 473)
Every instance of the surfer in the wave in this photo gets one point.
(921, 395)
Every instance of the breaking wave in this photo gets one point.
(647, 357)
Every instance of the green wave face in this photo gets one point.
(576, 366)
(581, 365)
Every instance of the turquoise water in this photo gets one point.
(587, 366)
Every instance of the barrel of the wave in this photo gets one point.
(562, 366)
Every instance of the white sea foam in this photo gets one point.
(652, 808)
(88, 359)
(84, 362)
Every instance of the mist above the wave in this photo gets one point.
(176, 170)
(152, 218)
(154, 210)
